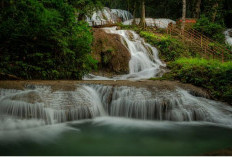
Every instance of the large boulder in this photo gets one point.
(112, 55)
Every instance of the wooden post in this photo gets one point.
(191, 39)
(183, 34)
(222, 56)
(170, 31)
(201, 42)
(205, 50)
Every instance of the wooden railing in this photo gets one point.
(209, 48)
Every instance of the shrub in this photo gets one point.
(170, 48)
(210, 29)
(210, 74)
(43, 40)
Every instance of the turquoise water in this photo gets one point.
(117, 136)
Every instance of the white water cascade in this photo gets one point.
(109, 15)
(144, 62)
(151, 22)
(124, 15)
(228, 36)
(42, 105)
(51, 107)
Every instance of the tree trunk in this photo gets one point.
(197, 9)
(215, 9)
(142, 20)
(134, 14)
(128, 5)
(2, 4)
(183, 15)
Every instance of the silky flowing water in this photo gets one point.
(111, 120)
(107, 15)
(144, 62)
(97, 119)
(228, 36)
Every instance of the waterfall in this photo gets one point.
(109, 15)
(42, 105)
(153, 104)
(144, 62)
(159, 22)
(122, 14)
(228, 36)
(51, 107)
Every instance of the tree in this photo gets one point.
(197, 9)
(134, 13)
(41, 39)
(183, 15)
(215, 10)
(143, 16)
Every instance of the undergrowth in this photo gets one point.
(213, 75)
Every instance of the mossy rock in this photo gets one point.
(112, 55)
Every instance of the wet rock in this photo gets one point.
(113, 57)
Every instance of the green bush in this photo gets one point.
(41, 39)
(210, 29)
(170, 48)
(210, 74)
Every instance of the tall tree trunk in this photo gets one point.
(134, 14)
(197, 9)
(215, 10)
(128, 5)
(183, 15)
(2, 4)
(142, 20)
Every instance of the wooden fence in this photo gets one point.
(209, 48)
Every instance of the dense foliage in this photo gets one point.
(41, 39)
(170, 48)
(211, 29)
(210, 74)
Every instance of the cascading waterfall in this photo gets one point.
(153, 104)
(51, 107)
(228, 36)
(37, 106)
(109, 15)
(151, 22)
(144, 62)
(88, 101)
(123, 14)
